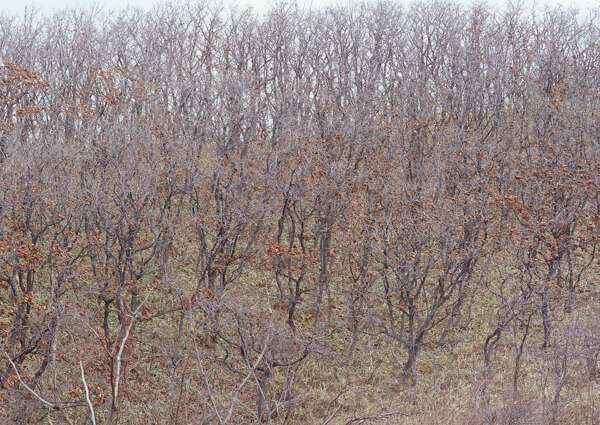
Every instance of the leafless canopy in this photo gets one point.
(210, 216)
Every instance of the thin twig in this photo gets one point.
(122, 347)
(326, 419)
(210, 397)
(40, 398)
(332, 415)
(239, 388)
(47, 403)
(98, 337)
(250, 373)
(376, 417)
(87, 394)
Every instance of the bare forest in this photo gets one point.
(373, 213)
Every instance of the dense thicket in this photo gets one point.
(207, 216)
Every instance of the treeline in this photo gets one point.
(207, 216)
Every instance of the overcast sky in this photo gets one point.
(48, 6)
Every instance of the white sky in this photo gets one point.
(48, 6)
